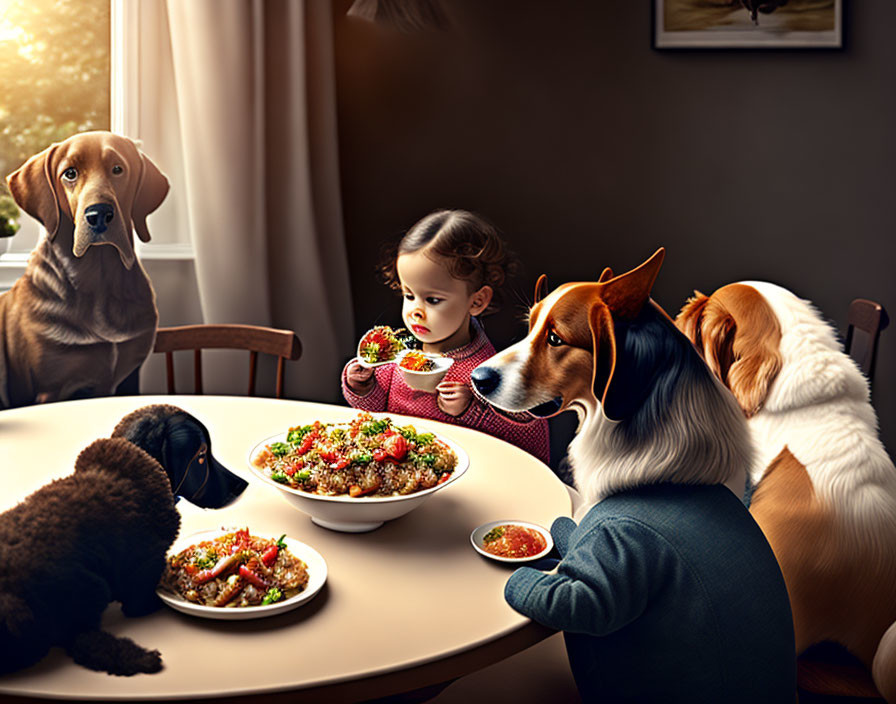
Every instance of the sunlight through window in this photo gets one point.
(54, 69)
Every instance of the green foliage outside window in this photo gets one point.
(9, 213)
(54, 74)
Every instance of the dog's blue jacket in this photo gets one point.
(667, 593)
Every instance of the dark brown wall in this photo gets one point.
(587, 148)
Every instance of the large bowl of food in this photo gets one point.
(354, 476)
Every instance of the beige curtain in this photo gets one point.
(255, 93)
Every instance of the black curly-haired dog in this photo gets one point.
(75, 545)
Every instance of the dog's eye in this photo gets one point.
(117, 169)
(70, 174)
(554, 339)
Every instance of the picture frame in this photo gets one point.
(747, 24)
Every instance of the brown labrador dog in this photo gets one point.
(83, 315)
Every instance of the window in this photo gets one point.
(55, 78)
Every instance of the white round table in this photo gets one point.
(406, 606)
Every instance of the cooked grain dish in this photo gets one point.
(366, 457)
(235, 570)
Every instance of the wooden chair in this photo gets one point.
(864, 322)
(284, 344)
(827, 673)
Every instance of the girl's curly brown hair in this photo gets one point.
(468, 245)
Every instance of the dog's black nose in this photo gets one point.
(485, 379)
(98, 216)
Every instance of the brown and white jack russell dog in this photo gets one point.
(608, 352)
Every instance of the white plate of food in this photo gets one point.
(512, 541)
(382, 345)
(233, 574)
(353, 476)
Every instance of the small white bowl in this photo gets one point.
(425, 381)
(317, 576)
(363, 513)
(477, 536)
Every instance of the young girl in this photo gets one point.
(448, 268)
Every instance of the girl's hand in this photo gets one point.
(359, 379)
(453, 397)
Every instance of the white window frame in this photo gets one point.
(135, 24)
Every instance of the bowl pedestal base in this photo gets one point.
(347, 527)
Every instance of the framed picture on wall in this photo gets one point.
(747, 24)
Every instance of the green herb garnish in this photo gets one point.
(273, 595)
(370, 352)
(296, 435)
(205, 562)
(427, 458)
(278, 449)
(375, 427)
(493, 534)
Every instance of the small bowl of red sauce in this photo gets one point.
(512, 541)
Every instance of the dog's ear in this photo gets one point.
(151, 191)
(32, 187)
(605, 275)
(754, 341)
(541, 288)
(714, 332)
(746, 361)
(751, 375)
(627, 293)
(603, 340)
(620, 381)
(690, 317)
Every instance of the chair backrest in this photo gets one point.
(828, 672)
(864, 322)
(284, 344)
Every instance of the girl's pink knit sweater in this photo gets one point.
(391, 394)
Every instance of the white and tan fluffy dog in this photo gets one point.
(826, 488)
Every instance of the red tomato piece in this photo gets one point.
(396, 446)
(269, 555)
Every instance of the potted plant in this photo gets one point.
(9, 216)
